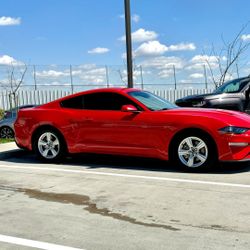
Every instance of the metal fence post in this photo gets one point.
(71, 79)
(107, 75)
(175, 83)
(34, 75)
(205, 75)
(142, 82)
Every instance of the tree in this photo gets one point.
(227, 59)
(13, 83)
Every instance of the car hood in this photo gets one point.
(199, 97)
(228, 117)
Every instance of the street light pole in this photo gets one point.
(128, 43)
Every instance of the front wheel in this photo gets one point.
(194, 152)
(49, 145)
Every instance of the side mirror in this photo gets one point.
(129, 108)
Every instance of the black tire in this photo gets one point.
(49, 145)
(194, 152)
(7, 133)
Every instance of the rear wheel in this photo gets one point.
(194, 152)
(49, 145)
(6, 133)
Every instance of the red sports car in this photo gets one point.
(133, 122)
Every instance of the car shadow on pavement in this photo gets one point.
(94, 161)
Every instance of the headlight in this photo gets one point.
(198, 103)
(233, 130)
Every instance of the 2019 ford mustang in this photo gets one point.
(123, 121)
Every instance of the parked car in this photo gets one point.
(134, 123)
(232, 95)
(7, 123)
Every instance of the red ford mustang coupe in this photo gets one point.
(134, 123)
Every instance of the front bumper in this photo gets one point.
(237, 147)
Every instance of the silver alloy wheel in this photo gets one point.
(193, 152)
(48, 145)
(6, 133)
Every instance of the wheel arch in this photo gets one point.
(51, 127)
(188, 131)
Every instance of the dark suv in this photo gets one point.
(232, 95)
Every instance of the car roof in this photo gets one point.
(108, 90)
(102, 90)
(92, 91)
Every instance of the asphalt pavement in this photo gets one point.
(106, 202)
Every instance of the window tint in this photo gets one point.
(233, 86)
(105, 101)
(73, 103)
(98, 101)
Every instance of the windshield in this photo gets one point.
(152, 101)
(233, 86)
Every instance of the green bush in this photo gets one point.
(1, 113)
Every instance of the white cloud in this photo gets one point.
(135, 18)
(204, 59)
(98, 50)
(155, 48)
(196, 75)
(187, 81)
(85, 74)
(8, 60)
(245, 37)
(198, 62)
(141, 35)
(182, 46)
(90, 75)
(151, 48)
(163, 62)
(166, 73)
(7, 21)
(51, 74)
(87, 66)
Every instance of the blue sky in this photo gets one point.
(90, 31)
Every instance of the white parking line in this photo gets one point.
(129, 176)
(34, 243)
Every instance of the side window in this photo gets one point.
(73, 103)
(105, 101)
(235, 86)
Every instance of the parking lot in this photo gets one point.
(104, 202)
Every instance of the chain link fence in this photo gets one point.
(76, 78)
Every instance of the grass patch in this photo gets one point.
(5, 140)
(1, 113)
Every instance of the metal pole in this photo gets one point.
(71, 79)
(142, 83)
(128, 43)
(34, 74)
(205, 75)
(107, 75)
(175, 83)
